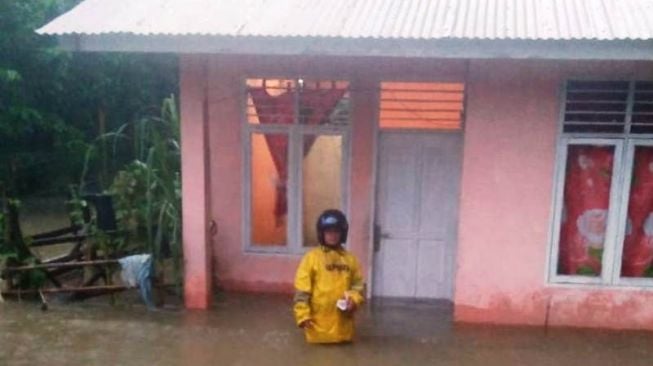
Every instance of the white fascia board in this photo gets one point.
(408, 48)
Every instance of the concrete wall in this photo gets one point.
(236, 269)
(509, 158)
(195, 182)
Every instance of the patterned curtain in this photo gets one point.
(638, 244)
(587, 196)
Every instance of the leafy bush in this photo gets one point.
(13, 247)
(53, 102)
(147, 190)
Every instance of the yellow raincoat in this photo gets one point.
(324, 276)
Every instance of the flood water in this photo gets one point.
(247, 329)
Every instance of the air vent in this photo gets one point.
(433, 106)
(596, 106)
(642, 115)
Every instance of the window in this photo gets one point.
(603, 218)
(297, 138)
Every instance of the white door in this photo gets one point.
(416, 214)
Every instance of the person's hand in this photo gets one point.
(351, 306)
(306, 324)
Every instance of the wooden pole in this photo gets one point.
(62, 265)
(106, 288)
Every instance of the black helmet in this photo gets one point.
(332, 219)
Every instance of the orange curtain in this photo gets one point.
(316, 105)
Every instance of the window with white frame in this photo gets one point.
(296, 144)
(603, 220)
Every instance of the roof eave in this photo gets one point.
(408, 48)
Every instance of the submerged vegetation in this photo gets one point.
(138, 211)
(146, 192)
(85, 124)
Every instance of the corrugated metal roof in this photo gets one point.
(385, 19)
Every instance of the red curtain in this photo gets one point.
(638, 243)
(587, 196)
(316, 105)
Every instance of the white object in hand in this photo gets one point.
(342, 304)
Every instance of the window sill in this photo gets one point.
(629, 285)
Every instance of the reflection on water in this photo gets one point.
(258, 330)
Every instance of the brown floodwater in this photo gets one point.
(248, 329)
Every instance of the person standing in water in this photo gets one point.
(329, 285)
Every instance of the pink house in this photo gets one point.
(497, 154)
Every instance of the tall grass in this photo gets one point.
(147, 189)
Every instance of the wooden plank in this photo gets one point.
(62, 265)
(55, 233)
(60, 240)
(66, 289)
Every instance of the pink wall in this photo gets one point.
(509, 158)
(236, 269)
(195, 183)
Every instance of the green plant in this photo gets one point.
(76, 206)
(6, 252)
(129, 189)
(53, 102)
(147, 190)
(14, 248)
(159, 158)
